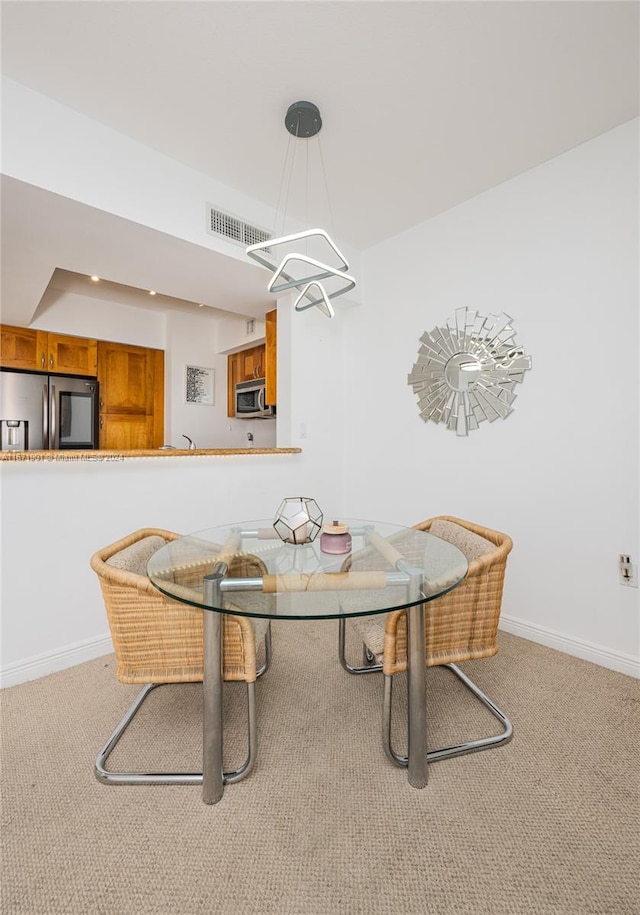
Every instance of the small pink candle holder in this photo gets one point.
(335, 539)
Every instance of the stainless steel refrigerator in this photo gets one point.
(47, 412)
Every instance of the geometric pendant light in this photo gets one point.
(319, 278)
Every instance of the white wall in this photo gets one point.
(57, 513)
(85, 316)
(233, 334)
(557, 249)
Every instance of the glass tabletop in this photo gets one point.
(265, 577)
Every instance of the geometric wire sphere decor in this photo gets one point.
(298, 520)
(467, 370)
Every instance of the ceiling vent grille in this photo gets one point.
(234, 229)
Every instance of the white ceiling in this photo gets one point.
(425, 104)
(43, 232)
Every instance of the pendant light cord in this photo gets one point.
(286, 180)
(306, 199)
(326, 188)
(285, 187)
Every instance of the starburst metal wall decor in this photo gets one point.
(467, 370)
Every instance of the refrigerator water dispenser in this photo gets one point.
(13, 433)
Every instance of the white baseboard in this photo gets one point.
(605, 657)
(43, 664)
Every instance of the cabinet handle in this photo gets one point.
(42, 360)
(101, 404)
(101, 422)
(51, 361)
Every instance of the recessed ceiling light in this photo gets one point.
(95, 279)
(152, 292)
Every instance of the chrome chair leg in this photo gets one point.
(109, 777)
(367, 668)
(368, 657)
(252, 741)
(267, 652)
(470, 746)
(386, 726)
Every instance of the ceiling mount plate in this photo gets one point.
(303, 120)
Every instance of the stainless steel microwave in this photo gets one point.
(250, 400)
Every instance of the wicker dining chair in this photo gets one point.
(158, 641)
(460, 626)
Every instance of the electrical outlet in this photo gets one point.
(627, 572)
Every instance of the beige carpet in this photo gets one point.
(324, 824)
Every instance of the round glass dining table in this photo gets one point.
(387, 567)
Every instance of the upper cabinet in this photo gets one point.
(26, 348)
(72, 355)
(22, 348)
(131, 382)
(251, 363)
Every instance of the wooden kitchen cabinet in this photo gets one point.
(249, 363)
(72, 355)
(131, 380)
(233, 371)
(22, 347)
(271, 358)
(26, 348)
(127, 432)
(252, 363)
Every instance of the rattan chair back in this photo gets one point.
(461, 625)
(159, 640)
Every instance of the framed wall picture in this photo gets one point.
(199, 385)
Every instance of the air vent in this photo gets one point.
(233, 228)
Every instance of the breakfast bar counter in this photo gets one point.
(95, 455)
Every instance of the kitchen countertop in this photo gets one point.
(70, 455)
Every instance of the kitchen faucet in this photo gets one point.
(192, 446)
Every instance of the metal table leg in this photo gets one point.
(417, 698)
(212, 773)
